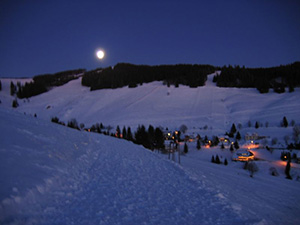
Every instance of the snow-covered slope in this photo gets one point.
(159, 105)
(51, 174)
(55, 175)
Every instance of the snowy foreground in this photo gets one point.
(52, 174)
(55, 175)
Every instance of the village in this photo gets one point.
(270, 155)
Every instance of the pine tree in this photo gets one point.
(222, 146)
(218, 160)
(225, 162)
(141, 136)
(256, 125)
(288, 169)
(186, 149)
(238, 136)
(129, 134)
(124, 133)
(73, 124)
(0, 86)
(159, 139)
(231, 148)
(12, 88)
(198, 144)
(118, 132)
(151, 136)
(233, 129)
(212, 159)
(236, 145)
(285, 122)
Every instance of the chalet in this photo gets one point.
(225, 140)
(243, 155)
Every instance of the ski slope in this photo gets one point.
(55, 175)
(156, 104)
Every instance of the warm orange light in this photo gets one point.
(250, 146)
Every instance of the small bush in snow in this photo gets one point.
(274, 141)
(249, 123)
(274, 172)
(15, 103)
(245, 167)
(183, 128)
(252, 168)
(293, 123)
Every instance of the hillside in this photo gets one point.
(51, 174)
(160, 105)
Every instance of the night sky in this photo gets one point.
(48, 36)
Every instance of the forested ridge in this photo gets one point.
(261, 78)
(41, 83)
(124, 74)
(192, 75)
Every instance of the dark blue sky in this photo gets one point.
(48, 36)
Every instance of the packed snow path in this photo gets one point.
(55, 175)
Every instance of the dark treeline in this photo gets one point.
(153, 138)
(261, 78)
(42, 83)
(124, 74)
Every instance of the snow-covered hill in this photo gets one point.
(55, 175)
(159, 105)
(51, 174)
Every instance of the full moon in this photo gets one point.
(100, 54)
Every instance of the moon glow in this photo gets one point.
(100, 54)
